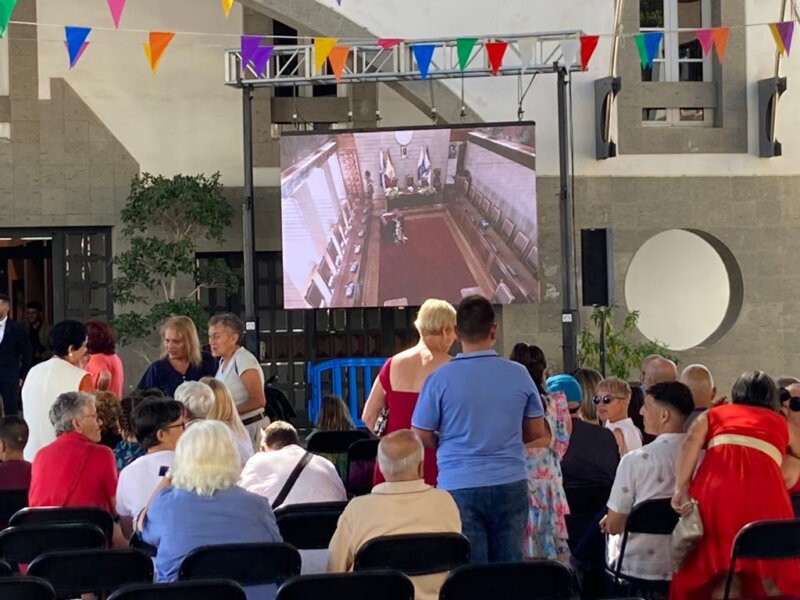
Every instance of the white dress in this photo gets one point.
(630, 433)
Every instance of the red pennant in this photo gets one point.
(588, 46)
(496, 51)
(386, 43)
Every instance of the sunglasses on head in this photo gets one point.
(607, 399)
(794, 401)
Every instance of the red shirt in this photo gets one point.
(15, 475)
(73, 471)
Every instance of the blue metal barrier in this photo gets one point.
(337, 367)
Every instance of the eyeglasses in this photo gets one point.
(607, 399)
(794, 401)
(182, 425)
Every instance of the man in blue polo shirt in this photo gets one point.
(478, 411)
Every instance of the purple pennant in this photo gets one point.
(261, 58)
(250, 44)
(786, 31)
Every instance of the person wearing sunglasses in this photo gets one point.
(611, 400)
(789, 397)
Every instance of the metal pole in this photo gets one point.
(603, 342)
(569, 313)
(248, 225)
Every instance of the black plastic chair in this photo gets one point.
(26, 588)
(529, 580)
(651, 516)
(796, 504)
(309, 526)
(24, 543)
(764, 540)
(210, 589)
(334, 442)
(246, 564)
(414, 554)
(11, 501)
(361, 457)
(366, 585)
(5, 569)
(67, 514)
(76, 572)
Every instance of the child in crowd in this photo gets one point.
(334, 415)
(108, 413)
(129, 449)
(15, 472)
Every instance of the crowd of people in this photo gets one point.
(475, 443)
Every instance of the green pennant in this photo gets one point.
(639, 39)
(6, 8)
(464, 47)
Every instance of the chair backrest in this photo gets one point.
(26, 588)
(414, 554)
(11, 501)
(66, 514)
(76, 572)
(24, 543)
(309, 526)
(796, 504)
(246, 564)
(361, 457)
(656, 517)
(334, 442)
(392, 585)
(529, 580)
(209, 589)
(5, 569)
(587, 499)
(771, 539)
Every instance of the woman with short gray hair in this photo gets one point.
(197, 397)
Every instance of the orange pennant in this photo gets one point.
(720, 37)
(153, 49)
(338, 58)
(496, 51)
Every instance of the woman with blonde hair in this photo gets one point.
(182, 359)
(611, 400)
(224, 410)
(394, 393)
(588, 380)
(198, 504)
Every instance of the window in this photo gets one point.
(683, 117)
(680, 57)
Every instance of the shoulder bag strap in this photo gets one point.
(287, 487)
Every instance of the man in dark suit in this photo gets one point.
(15, 357)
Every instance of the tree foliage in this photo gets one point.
(163, 219)
(623, 354)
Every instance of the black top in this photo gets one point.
(161, 375)
(15, 352)
(592, 456)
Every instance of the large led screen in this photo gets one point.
(391, 217)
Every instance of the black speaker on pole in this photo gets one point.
(597, 267)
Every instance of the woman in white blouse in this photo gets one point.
(611, 399)
(241, 372)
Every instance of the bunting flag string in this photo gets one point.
(496, 52)
(155, 46)
(76, 42)
(464, 48)
(116, 7)
(6, 8)
(782, 33)
(588, 46)
(647, 44)
(423, 54)
(227, 5)
(322, 48)
(338, 59)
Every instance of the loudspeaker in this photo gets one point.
(597, 267)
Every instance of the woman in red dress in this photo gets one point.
(739, 481)
(400, 379)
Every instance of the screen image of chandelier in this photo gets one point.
(392, 217)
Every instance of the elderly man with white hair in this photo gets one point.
(197, 397)
(403, 504)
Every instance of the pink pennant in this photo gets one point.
(116, 7)
(386, 43)
(706, 39)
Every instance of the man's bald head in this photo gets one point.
(699, 380)
(400, 456)
(659, 370)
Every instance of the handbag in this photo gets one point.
(686, 534)
(380, 422)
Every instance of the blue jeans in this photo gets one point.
(493, 518)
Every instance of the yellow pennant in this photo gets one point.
(322, 48)
(226, 7)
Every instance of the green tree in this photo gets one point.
(623, 354)
(163, 219)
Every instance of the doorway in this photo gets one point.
(26, 273)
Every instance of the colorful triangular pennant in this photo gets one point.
(423, 54)
(720, 36)
(249, 44)
(706, 39)
(496, 51)
(6, 8)
(76, 42)
(386, 43)
(322, 48)
(464, 48)
(782, 33)
(261, 58)
(569, 50)
(227, 5)
(647, 44)
(154, 48)
(525, 47)
(338, 58)
(116, 7)
(588, 46)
